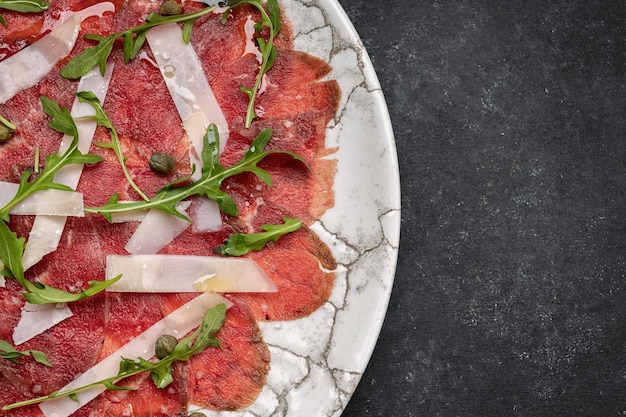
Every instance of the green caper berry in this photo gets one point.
(170, 7)
(161, 163)
(5, 132)
(165, 345)
(196, 414)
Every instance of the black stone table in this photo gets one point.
(510, 292)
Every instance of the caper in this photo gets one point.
(170, 7)
(196, 414)
(161, 163)
(165, 345)
(5, 132)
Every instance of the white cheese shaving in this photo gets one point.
(129, 216)
(188, 86)
(28, 66)
(7, 192)
(196, 104)
(43, 239)
(183, 273)
(178, 323)
(157, 230)
(46, 202)
(52, 203)
(46, 231)
(205, 215)
(37, 318)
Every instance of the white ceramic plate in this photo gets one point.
(318, 361)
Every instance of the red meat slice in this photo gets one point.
(72, 346)
(231, 377)
(300, 266)
(296, 104)
(9, 395)
(143, 400)
(32, 125)
(285, 261)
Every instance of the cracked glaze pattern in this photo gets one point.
(318, 361)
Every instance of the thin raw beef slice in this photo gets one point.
(296, 103)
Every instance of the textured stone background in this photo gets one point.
(509, 119)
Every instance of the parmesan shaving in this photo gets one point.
(129, 216)
(7, 192)
(178, 323)
(46, 202)
(196, 104)
(189, 88)
(28, 66)
(37, 318)
(46, 231)
(157, 230)
(205, 215)
(182, 273)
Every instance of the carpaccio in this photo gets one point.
(296, 104)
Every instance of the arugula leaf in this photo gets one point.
(8, 352)
(270, 20)
(132, 40)
(12, 246)
(161, 370)
(209, 183)
(239, 244)
(103, 120)
(60, 118)
(39, 293)
(11, 249)
(90, 57)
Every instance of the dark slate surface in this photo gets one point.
(510, 293)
